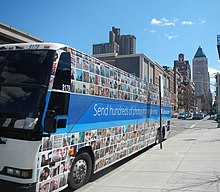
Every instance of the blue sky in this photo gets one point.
(163, 28)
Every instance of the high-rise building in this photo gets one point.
(117, 45)
(127, 45)
(201, 80)
(103, 48)
(111, 47)
(114, 35)
(183, 67)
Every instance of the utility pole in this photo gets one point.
(161, 134)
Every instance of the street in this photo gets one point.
(177, 126)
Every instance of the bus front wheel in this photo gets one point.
(80, 171)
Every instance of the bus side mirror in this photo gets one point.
(50, 123)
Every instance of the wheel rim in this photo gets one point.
(79, 171)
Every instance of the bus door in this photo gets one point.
(58, 104)
(59, 99)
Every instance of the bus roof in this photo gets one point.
(33, 46)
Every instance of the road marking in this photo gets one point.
(193, 125)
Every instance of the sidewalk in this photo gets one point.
(188, 162)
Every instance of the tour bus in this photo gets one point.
(65, 115)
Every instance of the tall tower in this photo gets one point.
(114, 35)
(127, 45)
(201, 80)
(183, 68)
(186, 94)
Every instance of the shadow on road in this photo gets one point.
(207, 181)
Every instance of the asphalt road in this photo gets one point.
(179, 125)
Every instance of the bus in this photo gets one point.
(65, 115)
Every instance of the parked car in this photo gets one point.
(188, 114)
(175, 114)
(215, 118)
(182, 116)
(198, 115)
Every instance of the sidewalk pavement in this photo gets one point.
(189, 162)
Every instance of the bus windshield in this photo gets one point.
(24, 78)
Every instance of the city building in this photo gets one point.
(171, 87)
(189, 97)
(137, 64)
(186, 89)
(183, 67)
(127, 45)
(9, 34)
(117, 45)
(201, 80)
(178, 82)
(114, 35)
(216, 106)
(111, 47)
(104, 48)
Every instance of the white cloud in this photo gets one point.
(212, 73)
(172, 22)
(202, 21)
(170, 36)
(187, 23)
(153, 31)
(164, 22)
(155, 22)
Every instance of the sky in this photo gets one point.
(163, 28)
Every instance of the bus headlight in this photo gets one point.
(9, 171)
(21, 173)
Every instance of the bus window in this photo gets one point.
(62, 76)
(59, 103)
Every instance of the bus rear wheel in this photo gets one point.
(80, 171)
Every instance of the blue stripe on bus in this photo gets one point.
(90, 112)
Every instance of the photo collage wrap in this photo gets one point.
(93, 77)
(55, 159)
(54, 68)
(108, 144)
(115, 143)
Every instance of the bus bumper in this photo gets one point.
(6, 186)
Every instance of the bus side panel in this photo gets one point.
(113, 128)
